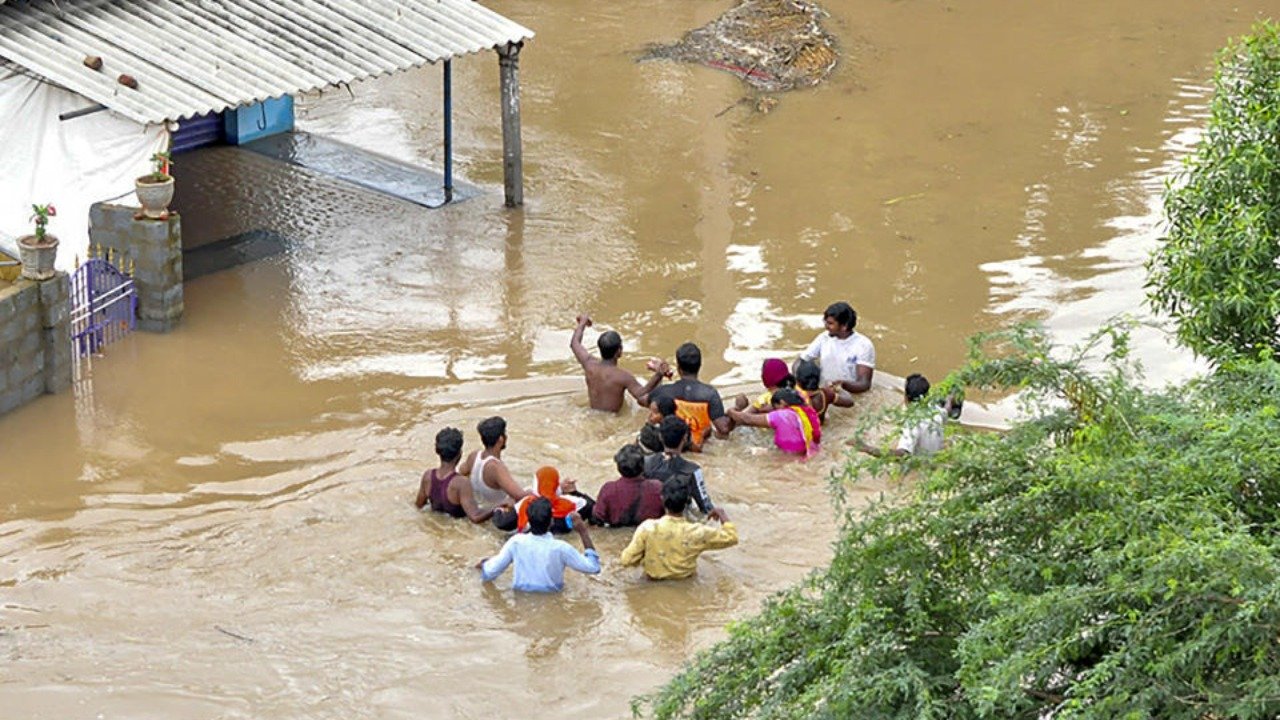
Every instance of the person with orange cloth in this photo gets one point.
(562, 505)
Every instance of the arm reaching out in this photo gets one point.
(575, 342)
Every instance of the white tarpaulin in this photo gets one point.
(70, 164)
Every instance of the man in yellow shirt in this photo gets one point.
(669, 546)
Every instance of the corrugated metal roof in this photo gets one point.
(191, 57)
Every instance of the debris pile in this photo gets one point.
(774, 45)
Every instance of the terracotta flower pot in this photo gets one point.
(154, 196)
(37, 258)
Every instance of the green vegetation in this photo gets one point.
(1117, 555)
(1216, 272)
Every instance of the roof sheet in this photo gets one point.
(191, 57)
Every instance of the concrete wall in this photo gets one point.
(155, 249)
(35, 340)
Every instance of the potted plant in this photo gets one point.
(155, 189)
(39, 251)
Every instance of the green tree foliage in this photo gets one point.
(1116, 556)
(1216, 272)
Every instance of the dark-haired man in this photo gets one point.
(491, 481)
(448, 491)
(697, 403)
(923, 437)
(668, 548)
(606, 382)
(632, 498)
(847, 358)
(669, 465)
(540, 559)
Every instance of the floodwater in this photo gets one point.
(218, 523)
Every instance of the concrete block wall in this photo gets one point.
(155, 249)
(35, 340)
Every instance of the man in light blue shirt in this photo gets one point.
(540, 559)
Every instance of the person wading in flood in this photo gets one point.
(669, 465)
(846, 358)
(446, 490)
(606, 382)
(668, 548)
(540, 559)
(491, 481)
(697, 403)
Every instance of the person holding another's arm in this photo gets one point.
(668, 548)
(539, 558)
(847, 358)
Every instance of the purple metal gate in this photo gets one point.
(104, 306)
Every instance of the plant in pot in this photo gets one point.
(38, 251)
(155, 189)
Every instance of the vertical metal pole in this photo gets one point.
(512, 159)
(448, 131)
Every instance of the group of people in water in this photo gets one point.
(657, 483)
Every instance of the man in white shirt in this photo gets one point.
(847, 359)
(925, 436)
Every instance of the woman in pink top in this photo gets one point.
(796, 428)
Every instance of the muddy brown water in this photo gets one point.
(217, 525)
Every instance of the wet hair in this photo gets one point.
(610, 344)
(539, 514)
(666, 405)
(787, 382)
(650, 438)
(808, 375)
(449, 444)
(916, 387)
(630, 461)
(675, 494)
(787, 396)
(674, 432)
(843, 313)
(689, 358)
(491, 430)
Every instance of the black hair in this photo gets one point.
(491, 430)
(843, 313)
(610, 344)
(449, 444)
(650, 438)
(675, 494)
(539, 514)
(787, 382)
(630, 461)
(666, 405)
(674, 432)
(808, 375)
(689, 358)
(916, 386)
(787, 396)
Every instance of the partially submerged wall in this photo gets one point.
(35, 340)
(154, 249)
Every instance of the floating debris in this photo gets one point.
(774, 45)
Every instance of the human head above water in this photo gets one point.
(808, 375)
(610, 344)
(675, 494)
(674, 432)
(449, 444)
(539, 514)
(774, 372)
(630, 461)
(491, 431)
(840, 318)
(786, 397)
(916, 387)
(688, 359)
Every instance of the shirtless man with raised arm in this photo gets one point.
(606, 382)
